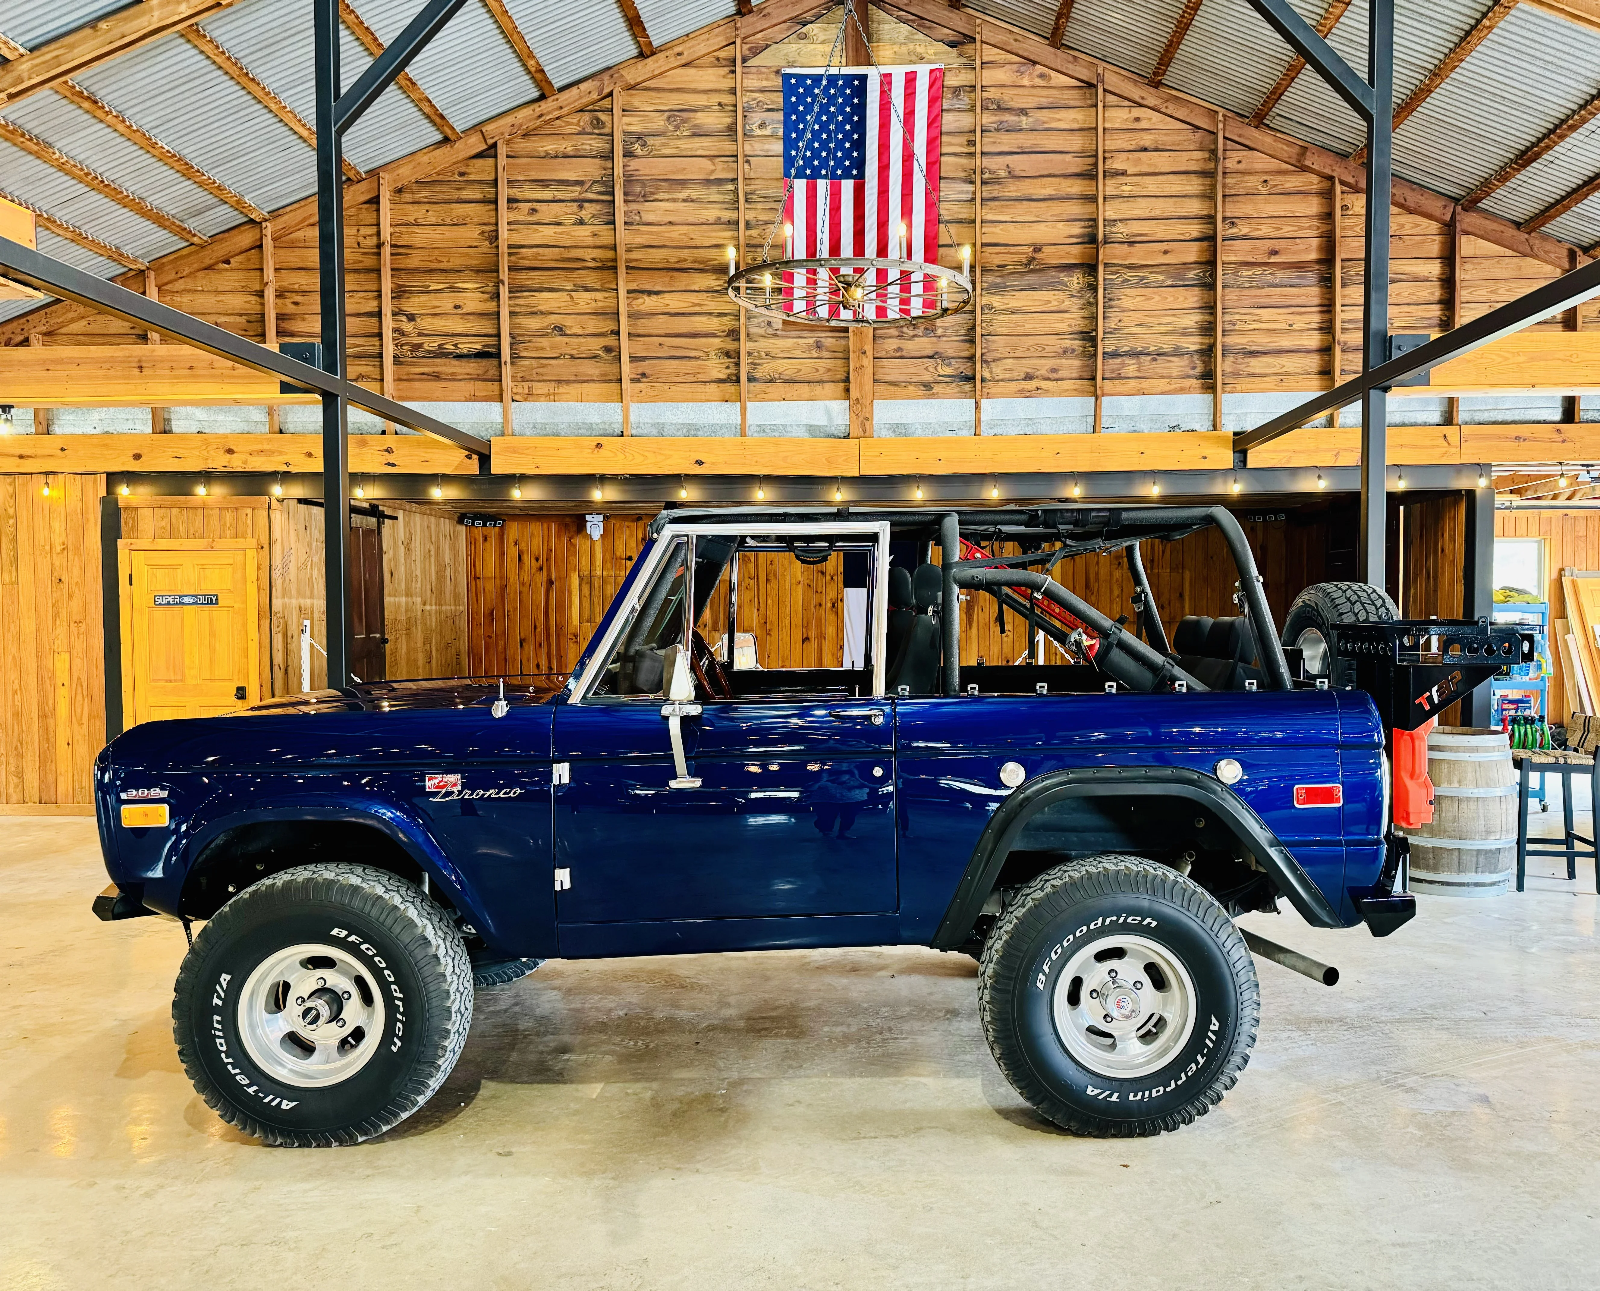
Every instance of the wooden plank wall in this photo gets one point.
(425, 592)
(1571, 541)
(52, 673)
(680, 191)
(1434, 538)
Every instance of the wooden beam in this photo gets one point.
(98, 454)
(1557, 209)
(630, 14)
(977, 232)
(405, 82)
(1335, 290)
(619, 223)
(739, 182)
(1539, 442)
(41, 416)
(269, 306)
(1533, 153)
(48, 153)
(1180, 29)
(133, 376)
(261, 92)
(1099, 250)
(676, 455)
(1497, 13)
(1586, 13)
(1058, 29)
(85, 47)
(158, 420)
(1216, 277)
(1328, 21)
(513, 34)
(503, 288)
(1006, 454)
(861, 382)
(386, 292)
(73, 233)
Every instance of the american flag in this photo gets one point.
(861, 152)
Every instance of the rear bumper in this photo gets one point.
(1381, 908)
(120, 903)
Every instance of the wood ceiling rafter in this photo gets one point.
(519, 43)
(1586, 13)
(1536, 150)
(258, 89)
(404, 82)
(1329, 20)
(1582, 193)
(722, 34)
(93, 44)
(630, 12)
(9, 49)
(1180, 29)
(1448, 65)
(72, 233)
(52, 156)
(1058, 29)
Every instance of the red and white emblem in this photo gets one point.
(440, 782)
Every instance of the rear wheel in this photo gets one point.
(1325, 605)
(1117, 997)
(323, 1005)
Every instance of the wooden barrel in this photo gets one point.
(1470, 849)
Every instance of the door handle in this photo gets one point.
(675, 713)
(873, 715)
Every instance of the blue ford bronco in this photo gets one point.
(1086, 820)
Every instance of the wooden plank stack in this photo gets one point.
(1578, 643)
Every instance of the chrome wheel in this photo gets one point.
(311, 1016)
(1314, 650)
(1123, 1006)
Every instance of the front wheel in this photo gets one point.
(323, 1005)
(1118, 997)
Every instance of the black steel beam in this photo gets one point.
(396, 56)
(1559, 294)
(1371, 559)
(56, 278)
(1477, 587)
(1321, 57)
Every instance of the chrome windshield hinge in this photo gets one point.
(561, 773)
(563, 880)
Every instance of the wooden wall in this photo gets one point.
(52, 673)
(680, 183)
(1571, 541)
(1433, 557)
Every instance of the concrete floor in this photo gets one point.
(818, 1120)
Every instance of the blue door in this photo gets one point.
(793, 813)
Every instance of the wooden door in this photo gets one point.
(190, 628)
(368, 656)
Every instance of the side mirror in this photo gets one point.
(680, 676)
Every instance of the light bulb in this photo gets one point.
(277, 489)
(1236, 485)
(1155, 490)
(761, 492)
(683, 491)
(994, 490)
(838, 493)
(360, 491)
(124, 490)
(1077, 490)
(45, 491)
(919, 493)
(1563, 480)
(597, 493)
(1321, 483)
(202, 489)
(436, 491)
(1483, 480)
(1400, 481)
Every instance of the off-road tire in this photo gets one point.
(1325, 605)
(416, 960)
(1094, 900)
(502, 972)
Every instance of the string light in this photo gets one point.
(360, 491)
(838, 491)
(202, 489)
(994, 489)
(761, 491)
(683, 489)
(437, 490)
(1563, 480)
(599, 493)
(1155, 490)
(124, 490)
(1321, 483)
(45, 491)
(277, 487)
(919, 490)
(1483, 478)
(1236, 485)
(1077, 489)
(1400, 480)
(516, 489)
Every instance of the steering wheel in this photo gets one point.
(708, 670)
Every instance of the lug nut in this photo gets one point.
(345, 994)
(1111, 973)
(1108, 1017)
(1094, 995)
(299, 999)
(322, 981)
(1138, 986)
(339, 1022)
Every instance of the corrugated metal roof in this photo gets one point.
(1231, 57)
(1129, 35)
(668, 19)
(574, 40)
(31, 23)
(469, 70)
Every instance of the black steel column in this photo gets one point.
(330, 284)
(1477, 585)
(1370, 556)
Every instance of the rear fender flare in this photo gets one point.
(1006, 825)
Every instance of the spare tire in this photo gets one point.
(1325, 605)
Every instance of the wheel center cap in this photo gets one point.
(1121, 1002)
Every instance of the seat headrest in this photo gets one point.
(1231, 639)
(1189, 637)
(927, 585)
(900, 597)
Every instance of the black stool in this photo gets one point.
(1573, 844)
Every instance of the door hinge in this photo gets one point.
(563, 880)
(561, 773)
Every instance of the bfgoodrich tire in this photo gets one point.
(1325, 605)
(1118, 998)
(323, 1005)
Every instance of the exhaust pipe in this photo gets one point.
(1261, 948)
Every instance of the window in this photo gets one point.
(636, 667)
(1518, 569)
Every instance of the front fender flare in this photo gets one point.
(1004, 827)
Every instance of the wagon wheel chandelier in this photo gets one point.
(850, 291)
